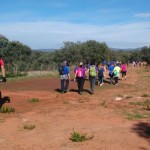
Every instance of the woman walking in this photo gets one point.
(80, 76)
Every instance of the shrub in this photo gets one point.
(29, 127)
(7, 109)
(34, 100)
(79, 137)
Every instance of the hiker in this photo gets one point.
(100, 74)
(92, 76)
(80, 76)
(116, 73)
(64, 72)
(110, 69)
(123, 70)
(2, 70)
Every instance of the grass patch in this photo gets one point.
(66, 102)
(7, 109)
(127, 97)
(29, 127)
(145, 95)
(145, 105)
(34, 100)
(135, 115)
(79, 137)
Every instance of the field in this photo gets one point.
(115, 117)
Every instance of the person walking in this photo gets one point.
(100, 74)
(116, 73)
(124, 70)
(80, 76)
(2, 65)
(110, 69)
(92, 76)
(64, 72)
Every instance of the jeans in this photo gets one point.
(92, 81)
(64, 85)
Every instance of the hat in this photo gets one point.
(81, 63)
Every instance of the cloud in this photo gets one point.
(143, 15)
(53, 34)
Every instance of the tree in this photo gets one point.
(3, 41)
(145, 54)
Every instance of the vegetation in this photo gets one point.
(21, 58)
(29, 127)
(7, 109)
(79, 137)
(34, 100)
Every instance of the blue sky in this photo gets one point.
(47, 24)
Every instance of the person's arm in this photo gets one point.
(3, 71)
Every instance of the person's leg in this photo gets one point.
(93, 85)
(125, 75)
(66, 85)
(82, 84)
(79, 85)
(116, 80)
(62, 84)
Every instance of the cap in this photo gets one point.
(81, 63)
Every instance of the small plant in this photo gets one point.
(119, 95)
(127, 97)
(146, 105)
(145, 95)
(79, 137)
(29, 127)
(103, 103)
(66, 102)
(34, 100)
(7, 109)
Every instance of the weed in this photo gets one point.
(79, 137)
(66, 102)
(119, 95)
(103, 103)
(7, 109)
(34, 100)
(127, 97)
(145, 105)
(134, 115)
(145, 95)
(29, 127)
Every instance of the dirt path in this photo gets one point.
(56, 115)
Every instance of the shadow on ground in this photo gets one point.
(142, 129)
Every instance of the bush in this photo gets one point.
(6, 109)
(79, 137)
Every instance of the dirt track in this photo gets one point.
(56, 115)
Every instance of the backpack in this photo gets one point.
(80, 72)
(61, 70)
(92, 71)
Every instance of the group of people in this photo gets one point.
(93, 73)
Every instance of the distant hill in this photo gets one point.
(113, 49)
(126, 49)
(45, 50)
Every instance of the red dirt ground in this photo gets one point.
(56, 115)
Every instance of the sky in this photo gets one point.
(47, 24)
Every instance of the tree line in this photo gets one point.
(20, 57)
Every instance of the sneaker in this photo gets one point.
(80, 93)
